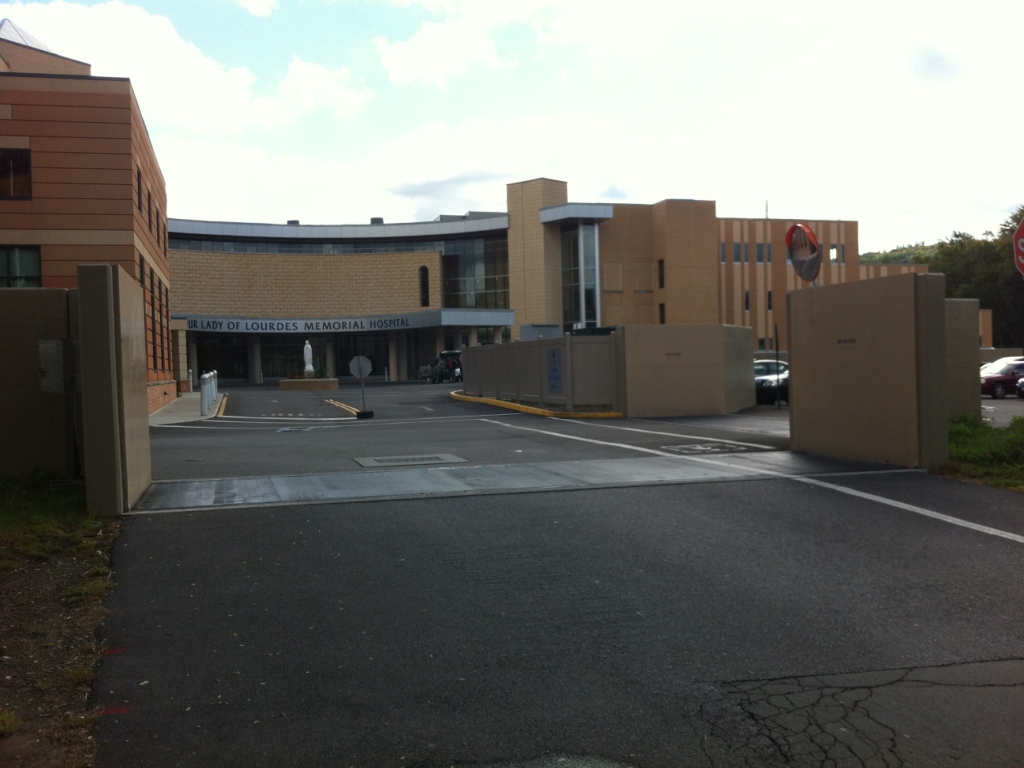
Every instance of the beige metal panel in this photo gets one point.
(100, 405)
(133, 394)
(738, 368)
(894, 325)
(34, 334)
(962, 319)
(593, 370)
(675, 370)
(932, 371)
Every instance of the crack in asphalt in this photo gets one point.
(820, 720)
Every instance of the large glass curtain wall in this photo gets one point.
(20, 267)
(225, 353)
(281, 355)
(475, 273)
(371, 345)
(581, 289)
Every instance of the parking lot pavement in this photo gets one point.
(413, 420)
(999, 413)
(756, 623)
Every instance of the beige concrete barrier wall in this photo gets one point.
(868, 370)
(739, 368)
(565, 372)
(114, 392)
(641, 370)
(962, 357)
(686, 369)
(36, 383)
(130, 341)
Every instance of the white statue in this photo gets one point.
(307, 356)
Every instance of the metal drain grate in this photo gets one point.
(406, 461)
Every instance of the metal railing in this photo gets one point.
(207, 392)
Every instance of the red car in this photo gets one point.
(1001, 377)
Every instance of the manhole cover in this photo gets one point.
(700, 449)
(408, 461)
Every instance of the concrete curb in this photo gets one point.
(456, 395)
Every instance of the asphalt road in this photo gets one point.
(842, 619)
(316, 436)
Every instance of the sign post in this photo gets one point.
(1018, 248)
(361, 366)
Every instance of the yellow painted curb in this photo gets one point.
(536, 411)
(223, 404)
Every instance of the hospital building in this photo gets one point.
(80, 183)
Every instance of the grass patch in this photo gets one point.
(41, 517)
(987, 454)
(9, 723)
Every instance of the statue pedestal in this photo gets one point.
(308, 384)
(309, 373)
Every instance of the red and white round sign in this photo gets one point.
(1018, 247)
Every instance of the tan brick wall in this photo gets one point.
(301, 285)
(534, 252)
(778, 277)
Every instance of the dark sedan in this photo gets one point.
(771, 381)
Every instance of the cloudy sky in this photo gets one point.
(906, 116)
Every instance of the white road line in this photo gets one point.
(872, 497)
(289, 418)
(267, 424)
(590, 423)
(586, 439)
(800, 479)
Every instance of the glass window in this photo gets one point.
(746, 300)
(736, 253)
(760, 253)
(20, 267)
(15, 173)
(661, 273)
(769, 301)
(474, 273)
(424, 287)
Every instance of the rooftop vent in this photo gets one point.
(377, 220)
(293, 222)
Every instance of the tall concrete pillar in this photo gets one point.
(332, 368)
(403, 356)
(193, 358)
(472, 336)
(438, 341)
(255, 359)
(393, 355)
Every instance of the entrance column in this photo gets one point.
(193, 357)
(472, 336)
(393, 355)
(403, 355)
(255, 359)
(332, 372)
(438, 341)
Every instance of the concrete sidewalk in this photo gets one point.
(188, 407)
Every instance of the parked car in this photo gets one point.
(1002, 376)
(447, 367)
(771, 381)
(1020, 388)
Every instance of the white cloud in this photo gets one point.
(258, 7)
(177, 85)
(438, 51)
